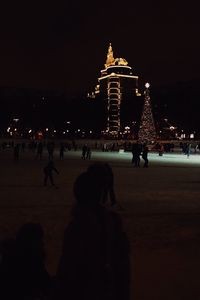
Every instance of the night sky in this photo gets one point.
(64, 44)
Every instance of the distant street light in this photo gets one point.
(147, 85)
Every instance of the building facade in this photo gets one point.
(118, 87)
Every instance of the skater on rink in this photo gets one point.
(48, 173)
(62, 150)
(145, 156)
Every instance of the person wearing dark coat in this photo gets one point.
(50, 149)
(84, 151)
(39, 151)
(48, 173)
(7, 269)
(34, 281)
(136, 152)
(62, 150)
(103, 171)
(22, 268)
(94, 264)
(145, 156)
(88, 153)
(16, 152)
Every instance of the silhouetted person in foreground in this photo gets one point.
(26, 275)
(103, 172)
(48, 173)
(7, 269)
(34, 281)
(94, 264)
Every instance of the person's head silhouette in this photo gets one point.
(88, 189)
(104, 175)
(29, 240)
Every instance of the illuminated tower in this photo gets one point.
(147, 131)
(118, 85)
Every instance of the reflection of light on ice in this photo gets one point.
(121, 151)
(176, 158)
(168, 158)
(171, 159)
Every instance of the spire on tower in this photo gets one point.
(110, 58)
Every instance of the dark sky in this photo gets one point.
(64, 44)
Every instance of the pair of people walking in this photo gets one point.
(137, 151)
(86, 152)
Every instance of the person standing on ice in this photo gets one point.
(62, 150)
(95, 259)
(161, 150)
(88, 153)
(39, 151)
(84, 151)
(145, 155)
(188, 150)
(16, 152)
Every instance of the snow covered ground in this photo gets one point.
(161, 214)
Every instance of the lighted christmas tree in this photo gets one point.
(147, 131)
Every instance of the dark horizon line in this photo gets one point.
(69, 93)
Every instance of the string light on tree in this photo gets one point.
(147, 132)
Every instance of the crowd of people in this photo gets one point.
(38, 147)
(95, 259)
(139, 151)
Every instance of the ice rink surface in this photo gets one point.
(161, 214)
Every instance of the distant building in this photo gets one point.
(118, 88)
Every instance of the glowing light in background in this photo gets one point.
(147, 85)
